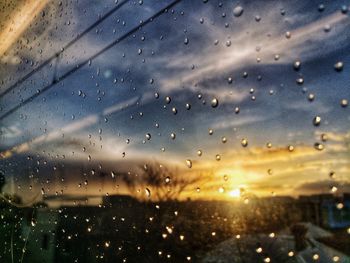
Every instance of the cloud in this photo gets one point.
(306, 106)
(71, 128)
(21, 18)
(334, 136)
(322, 186)
(217, 60)
(264, 170)
(224, 95)
(10, 132)
(224, 123)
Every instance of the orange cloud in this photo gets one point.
(19, 19)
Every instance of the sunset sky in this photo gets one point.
(195, 52)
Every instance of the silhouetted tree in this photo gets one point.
(159, 183)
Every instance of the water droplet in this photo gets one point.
(327, 28)
(340, 206)
(186, 41)
(174, 110)
(238, 11)
(188, 106)
(148, 136)
(189, 163)
(210, 131)
(237, 110)
(267, 260)
(338, 66)
(214, 102)
(224, 139)
(218, 157)
(317, 121)
(297, 65)
(167, 99)
(244, 142)
(334, 189)
(173, 136)
(148, 192)
(321, 7)
(344, 103)
(300, 81)
(288, 34)
(318, 146)
(336, 258)
(199, 153)
(344, 9)
(311, 97)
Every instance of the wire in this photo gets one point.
(56, 55)
(73, 70)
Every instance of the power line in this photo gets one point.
(47, 61)
(73, 70)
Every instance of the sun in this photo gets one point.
(235, 193)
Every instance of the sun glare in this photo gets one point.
(235, 193)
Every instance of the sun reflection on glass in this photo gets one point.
(235, 193)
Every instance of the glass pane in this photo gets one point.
(174, 131)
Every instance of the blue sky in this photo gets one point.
(112, 101)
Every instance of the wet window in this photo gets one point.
(174, 131)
